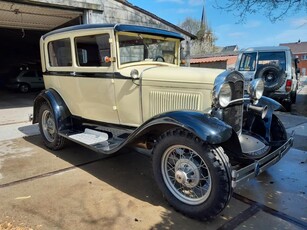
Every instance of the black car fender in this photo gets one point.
(271, 104)
(209, 129)
(61, 113)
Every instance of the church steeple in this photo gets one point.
(205, 32)
(203, 20)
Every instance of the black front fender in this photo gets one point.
(270, 103)
(61, 112)
(207, 128)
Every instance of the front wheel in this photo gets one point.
(48, 128)
(193, 176)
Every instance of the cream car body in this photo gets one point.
(110, 86)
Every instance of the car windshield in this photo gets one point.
(136, 48)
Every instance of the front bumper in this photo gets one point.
(250, 171)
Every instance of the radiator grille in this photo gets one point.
(168, 101)
(233, 114)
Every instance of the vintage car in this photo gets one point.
(110, 86)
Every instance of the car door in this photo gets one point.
(95, 77)
(30, 78)
(79, 70)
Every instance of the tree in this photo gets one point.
(191, 25)
(205, 42)
(273, 9)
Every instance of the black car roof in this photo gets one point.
(119, 27)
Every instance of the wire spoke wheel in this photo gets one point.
(186, 175)
(193, 176)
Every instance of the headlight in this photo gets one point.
(256, 89)
(222, 95)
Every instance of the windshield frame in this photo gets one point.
(149, 61)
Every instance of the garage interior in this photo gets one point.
(21, 26)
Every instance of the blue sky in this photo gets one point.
(256, 31)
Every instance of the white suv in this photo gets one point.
(276, 66)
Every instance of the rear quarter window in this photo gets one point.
(59, 53)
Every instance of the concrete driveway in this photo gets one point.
(76, 188)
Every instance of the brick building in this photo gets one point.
(299, 49)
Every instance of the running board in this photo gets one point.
(90, 137)
(94, 140)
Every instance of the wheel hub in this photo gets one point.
(187, 173)
(50, 126)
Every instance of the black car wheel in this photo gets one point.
(24, 88)
(192, 175)
(293, 97)
(48, 128)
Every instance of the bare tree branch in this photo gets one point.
(273, 9)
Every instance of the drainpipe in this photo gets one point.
(87, 17)
(188, 56)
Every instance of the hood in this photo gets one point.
(190, 75)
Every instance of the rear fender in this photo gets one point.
(62, 115)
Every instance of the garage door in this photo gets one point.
(22, 16)
(21, 26)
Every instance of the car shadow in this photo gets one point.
(130, 172)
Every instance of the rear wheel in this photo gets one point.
(192, 175)
(48, 128)
(24, 88)
(287, 105)
(293, 97)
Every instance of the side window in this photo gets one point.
(60, 53)
(29, 74)
(248, 62)
(93, 50)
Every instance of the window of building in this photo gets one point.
(93, 50)
(304, 57)
(60, 53)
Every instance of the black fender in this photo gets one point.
(265, 129)
(61, 112)
(209, 129)
(272, 106)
